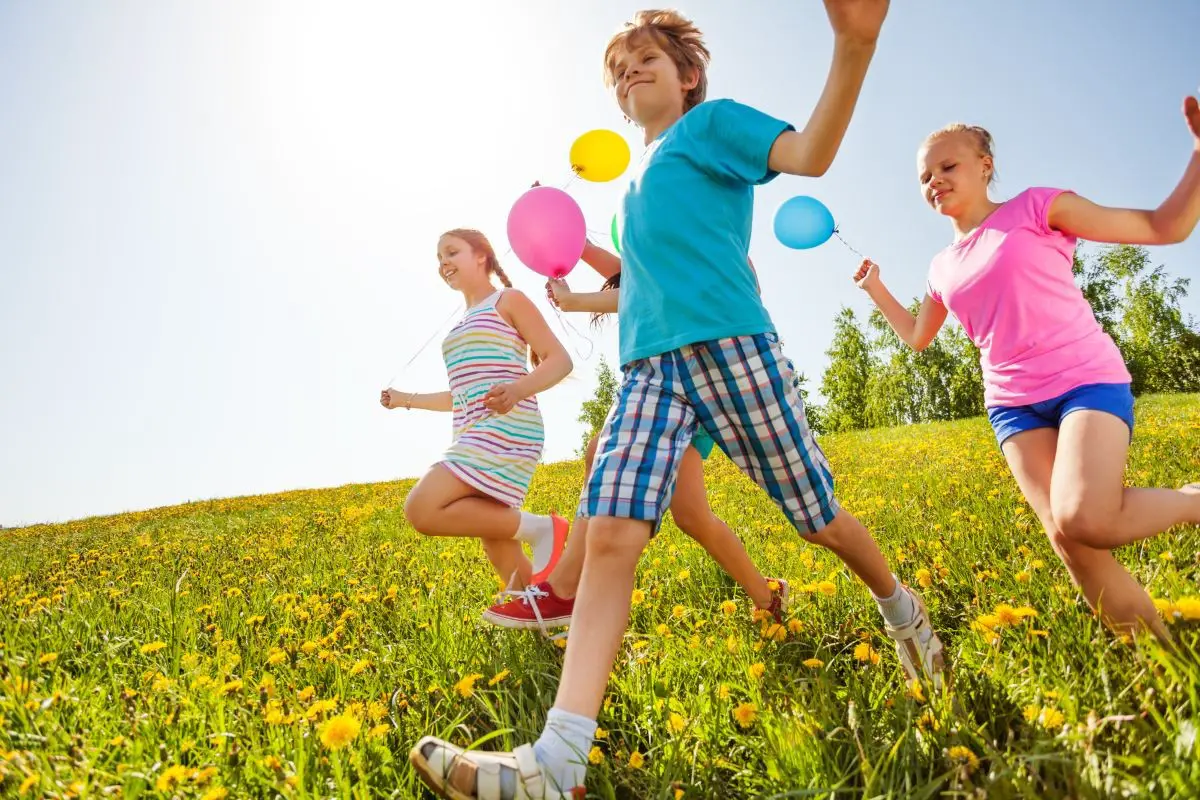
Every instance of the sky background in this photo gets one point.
(218, 219)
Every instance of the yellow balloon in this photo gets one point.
(600, 155)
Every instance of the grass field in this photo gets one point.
(249, 647)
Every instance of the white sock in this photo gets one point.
(562, 749)
(538, 532)
(899, 609)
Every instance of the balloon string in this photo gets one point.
(426, 344)
(567, 325)
(838, 234)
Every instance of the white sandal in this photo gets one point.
(458, 774)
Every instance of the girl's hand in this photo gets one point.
(857, 20)
(1191, 113)
(558, 292)
(390, 398)
(502, 397)
(867, 276)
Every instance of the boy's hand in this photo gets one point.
(857, 20)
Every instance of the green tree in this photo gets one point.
(846, 380)
(1160, 345)
(812, 412)
(595, 410)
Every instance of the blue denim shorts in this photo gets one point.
(1112, 398)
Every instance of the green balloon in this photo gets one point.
(615, 238)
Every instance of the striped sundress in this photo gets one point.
(494, 453)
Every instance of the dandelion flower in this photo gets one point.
(864, 652)
(466, 686)
(596, 756)
(638, 597)
(827, 588)
(813, 663)
(745, 714)
(964, 755)
(360, 666)
(924, 578)
(152, 647)
(728, 608)
(499, 676)
(379, 731)
(676, 723)
(636, 760)
(757, 669)
(339, 731)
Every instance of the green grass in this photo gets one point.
(186, 651)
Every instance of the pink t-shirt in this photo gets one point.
(1010, 285)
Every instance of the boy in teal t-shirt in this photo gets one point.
(698, 349)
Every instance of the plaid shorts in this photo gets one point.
(745, 393)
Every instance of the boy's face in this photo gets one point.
(647, 83)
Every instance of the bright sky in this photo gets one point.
(218, 220)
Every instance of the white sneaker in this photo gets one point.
(918, 647)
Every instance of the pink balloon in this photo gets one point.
(547, 231)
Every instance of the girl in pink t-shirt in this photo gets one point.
(1056, 387)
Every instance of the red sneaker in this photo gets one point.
(532, 608)
(780, 599)
(561, 528)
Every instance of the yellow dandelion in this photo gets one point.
(152, 647)
(1188, 607)
(813, 663)
(466, 686)
(684, 574)
(1022, 577)
(638, 597)
(864, 652)
(678, 611)
(320, 707)
(1031, 713)
(924, 578)
(28, 784)
(827, 588)
(662, 629)
(257, 619)
(601, 733)
(306, 694)
(360, 666)
(636, 760)
(745, 714)
(277, 656)
(729, 608)
(723, 691)
(596, 756)
(379, 731)
(795, 626)
(499, 676)
(732, 644)
(757, 669)
(172, 777)
(1052, 719)
(231, 686)
(676, 723)
(916, 692)
(964, 756)
(216, 793)
(47, 658)
(339, 731)
(774, 631)
(272, 763)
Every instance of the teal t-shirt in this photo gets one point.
(703, 442)
(686, 214)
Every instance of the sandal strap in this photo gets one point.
(463, 775)
(530, 771)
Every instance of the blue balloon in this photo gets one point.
(803, 222)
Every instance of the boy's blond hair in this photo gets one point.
(678, 37)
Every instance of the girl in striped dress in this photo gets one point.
(479, 485)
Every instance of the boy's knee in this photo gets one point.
(612, 539)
